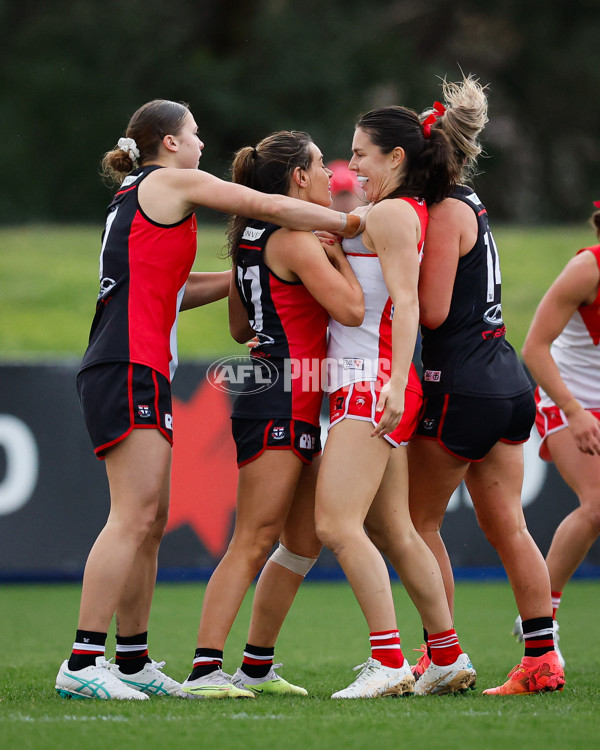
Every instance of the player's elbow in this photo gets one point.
(356, 315)
(431, 318)
(527, 352)
(240, 334)
(351, 315)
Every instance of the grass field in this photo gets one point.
(323, 638)
(48, 284)
(49, 281)
(48, 288)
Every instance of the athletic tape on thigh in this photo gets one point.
(295, 563)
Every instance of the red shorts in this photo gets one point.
(550, 419)
(358, 401)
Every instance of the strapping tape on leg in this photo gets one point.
(296, 563)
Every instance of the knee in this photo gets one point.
(137, 523)
(326, 532)
(301, 541)
(492, 535)
(508, 534)
(159, 524)
(332, 533)
(150, 528)
(310, 549)
(379, 538)
(298, 564)
(254, 547)
(426, 523)
(591, 510)
(393, 541)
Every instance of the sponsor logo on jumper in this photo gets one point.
(106, 285)
(278, 433)
(474, 199)
(353, 364)
(433, 376)
(252, 234)
(307, 442)
(493, 315)
(144, 410)
(130, 180)
(495, 334)
(263, 339)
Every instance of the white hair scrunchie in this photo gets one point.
(130, 147)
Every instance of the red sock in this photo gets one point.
(385, 647)
(445, 648)
(556, 597)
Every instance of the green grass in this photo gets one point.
(323, 638)
(48, 285)
(531, 258)
(48, 288)
(49, 281)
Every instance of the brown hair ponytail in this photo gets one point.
(268, 167)
(147, 127)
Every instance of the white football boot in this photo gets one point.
(96, 681)
(453, 678)
(375, 680)
(150, 680)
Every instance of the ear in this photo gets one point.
(170, 143)
(300, 177)
(398, 155)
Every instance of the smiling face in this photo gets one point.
(379, 174)
(316, 179)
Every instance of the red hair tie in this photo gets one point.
(438, 111)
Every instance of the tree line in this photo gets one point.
(73, 71)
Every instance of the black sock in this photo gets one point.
(257, 660)
(87, 647)
(538, 635)
(206, 660)
(132, 653)
(426, 636)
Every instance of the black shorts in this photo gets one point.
(118, 397)
(470, 426)
(254, 436)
